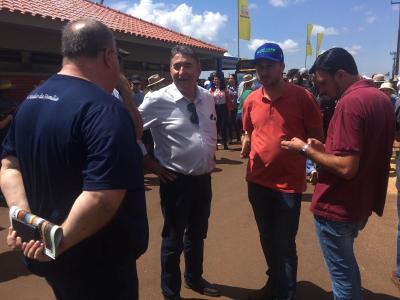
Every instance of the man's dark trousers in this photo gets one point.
(185, 204)
(277, 215)
(105, 278)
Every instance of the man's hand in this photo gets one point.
(295, 144)
(164, 174)
(317, 145)
(154, 167)
(33, 249)
(245, 146)
(13, 241)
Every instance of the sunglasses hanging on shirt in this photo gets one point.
(194, 118)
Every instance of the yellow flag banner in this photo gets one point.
(244, 20)
(308, 46)
(320, 37)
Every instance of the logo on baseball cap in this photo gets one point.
(269, 51)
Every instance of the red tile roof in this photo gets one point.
(66, 10)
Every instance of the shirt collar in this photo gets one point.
(285, 93)
(177, 95)
(358, 84)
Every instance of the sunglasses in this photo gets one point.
(194, 118)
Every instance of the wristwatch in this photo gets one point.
(303, 150)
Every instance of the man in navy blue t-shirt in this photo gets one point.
(71, 157)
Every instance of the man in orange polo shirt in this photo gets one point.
(276, 179)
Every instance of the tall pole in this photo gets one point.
(238, 28)
(393, 53)
(396, 67)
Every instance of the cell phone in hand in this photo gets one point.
(25, 231)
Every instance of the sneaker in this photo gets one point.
(313, 178)
(265, 293)
(395, 279)
(203, 287)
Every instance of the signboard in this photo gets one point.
(229, 63)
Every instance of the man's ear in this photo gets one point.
(340, 74)
(107, 57)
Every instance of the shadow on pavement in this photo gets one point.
(150, 182)
(12, 266)
(307, 290)
(216, 170)
(227, 161)
(233, 292)
(306, 197)
(368, 295)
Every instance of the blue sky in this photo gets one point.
(367, 28)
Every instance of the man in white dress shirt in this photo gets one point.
(182, 120)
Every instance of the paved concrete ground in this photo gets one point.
(233, 257)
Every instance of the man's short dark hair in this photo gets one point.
(85, 37)
(184, 50)
(335, 59)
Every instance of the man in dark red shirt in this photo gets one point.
(276, 178)
(354, 165)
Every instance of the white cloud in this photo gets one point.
(253, 6)
(181, 18)
(121, 5)
(358, 8)
(283, 3)
(324, 30)
(353, 50)
(287, 46)
(228, 54)
(371, 17)
(278, 3)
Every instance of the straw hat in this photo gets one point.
(154, 79)
(378, 78)
(386, 86)
(6, 85)
(248, 78)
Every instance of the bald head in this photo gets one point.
(85, 37)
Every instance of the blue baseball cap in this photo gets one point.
(269, 51)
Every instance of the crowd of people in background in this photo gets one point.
(90, 142)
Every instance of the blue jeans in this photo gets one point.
(277, 215)
(310, 167)
(336, 240)
(185, 204)
(398, 236)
